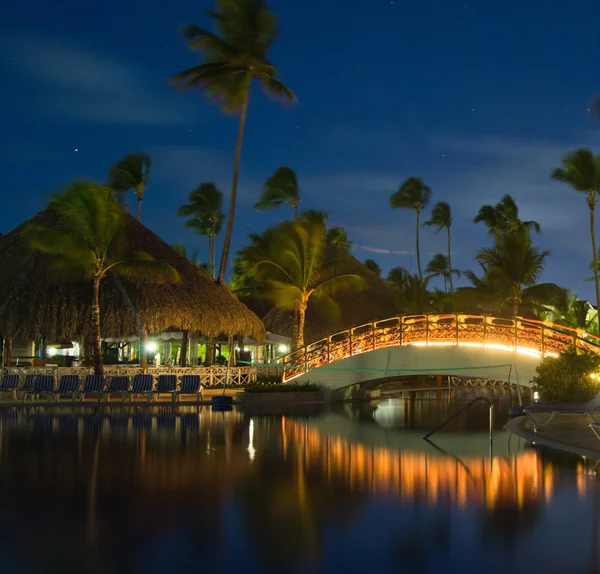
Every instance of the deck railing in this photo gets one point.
(525, 336)
(210, 376)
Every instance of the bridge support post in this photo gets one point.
(373, 328)
(350, 342)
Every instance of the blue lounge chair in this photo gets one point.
(67, 385)
(9, 384)
(118, 385)
(166, 384)
(42, 385)
(142, 385)
(27, 385)
(93, 385)
(542, 413)
(190, 385)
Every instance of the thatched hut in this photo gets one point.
(376, 301)
(34, 302)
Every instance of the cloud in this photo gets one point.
(76, 83)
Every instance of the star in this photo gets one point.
(76, 149)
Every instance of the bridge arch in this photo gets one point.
(481, 346)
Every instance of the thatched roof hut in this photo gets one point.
(375, 302)
(34, 301)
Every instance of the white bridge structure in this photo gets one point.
(470, 346)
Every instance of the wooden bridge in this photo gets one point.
(492, 335)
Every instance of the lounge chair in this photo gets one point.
(93, 385)
(542, 413)
(142, 385)
(166, 384)
(10, 384)
(190, 385)
(27, 385)
(42, 385)
(118, 385)
(67, 385)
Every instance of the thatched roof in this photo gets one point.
(375, 302)
(33, 300)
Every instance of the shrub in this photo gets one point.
(568, 377)
(277, 387)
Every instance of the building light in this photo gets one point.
(282, 348)
(151, 347)
(51, 351)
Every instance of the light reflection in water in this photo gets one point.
(272, 493)
(409, 475)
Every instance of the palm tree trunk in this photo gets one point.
(214, 258)
(301, 321)
(450, 263)
(295, 211)
(184, 348)
(234, 184)
(210, 344)
(98, 367)
(592, 206)
(209, 261)
(139, 209)
(418, 249)
(7, 352)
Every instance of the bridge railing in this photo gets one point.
(526, 336)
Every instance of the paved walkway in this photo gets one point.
(571, 433)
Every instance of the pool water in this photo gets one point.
(349, 488)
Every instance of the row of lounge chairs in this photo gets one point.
(34, 386)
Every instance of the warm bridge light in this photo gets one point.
(535, 339)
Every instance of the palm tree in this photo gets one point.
(439, 266)
(290, 270)
(412, 294)
(413, 194)
(281, 187)
(131, 172)
(581, 170)
(511, 271)
(91, 243)
(504, 217)
(373, 266)
(338, 237)
(441, 218)
(567, 309)
(313, 215)
(234, 56)
(206, 217)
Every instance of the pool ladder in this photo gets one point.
(451, 418)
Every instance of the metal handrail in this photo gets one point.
(475, 400)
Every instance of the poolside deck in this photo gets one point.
(570, 433)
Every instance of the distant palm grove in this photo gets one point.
(302, 262)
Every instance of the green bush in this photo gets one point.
(277, 387)
(568, 378)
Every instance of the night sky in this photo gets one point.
(478, 98)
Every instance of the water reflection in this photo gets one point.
(186, 489)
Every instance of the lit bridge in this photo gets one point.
(472, 346)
